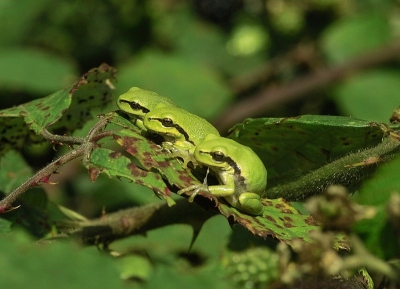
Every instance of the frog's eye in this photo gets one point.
(167, 122)
(217, 156)
(135, 105)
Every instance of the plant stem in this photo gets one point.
(87, 145)
(339, 172)
(37, 178)
(110, 227)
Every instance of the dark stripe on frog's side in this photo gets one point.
(237, 171)
(178, 128)
(138, 107)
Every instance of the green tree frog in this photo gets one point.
(240, 172)
(136, 102)
(181, 130)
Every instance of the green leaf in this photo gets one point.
(5, 226)
(115, 165)
(186, 82)
(279, 220)
(13, 171)
(150, 155)
(34, 71)
(350, 37)
(198, 40)
(63, 111)
(167, 249)
(32, 214)
(216, 231)
(292, 147)
(377, 190)
(371, 95)
(74, 267)
(17, 18)
(377, 232)
(134, 266)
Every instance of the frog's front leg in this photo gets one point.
(139, 123)
(197, 188)
(251, 203)
(185, 153)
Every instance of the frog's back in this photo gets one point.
(196, 127)
(147, 98)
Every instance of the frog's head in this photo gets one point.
(137, 102)
(168, 122)
(216, 151)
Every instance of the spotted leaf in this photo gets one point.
(279, 220)
(151, 156)
(114, 164)
(62, 112)
(292, 147)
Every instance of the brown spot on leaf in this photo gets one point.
(287, 211)
(131, 150)
(267, 202)
(115, 155)
(185, 178)
(45, 108)
(167, 192)
(134, 169)
(163, 164)
(270, 219)
(94, 173)
(288, 225)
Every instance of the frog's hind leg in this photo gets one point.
(251, 203)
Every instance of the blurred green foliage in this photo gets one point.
(198, 53)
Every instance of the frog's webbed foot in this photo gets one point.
(197, 188)
(184, 154)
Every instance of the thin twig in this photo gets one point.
(42, 176)
(62, 139)
(39, 177)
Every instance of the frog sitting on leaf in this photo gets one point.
(241, 174)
